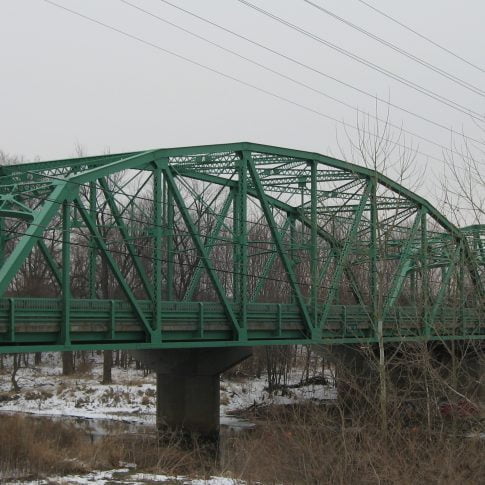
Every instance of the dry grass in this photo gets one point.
(299, 444)
(339, 443)
(32, 447)
(313, 445)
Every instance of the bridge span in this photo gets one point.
(229, 245)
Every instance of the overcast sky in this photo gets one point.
(66, 80)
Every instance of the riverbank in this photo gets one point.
(131, 397)
(95, 412)
(299, 433)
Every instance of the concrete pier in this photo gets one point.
(188, 388)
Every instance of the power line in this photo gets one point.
(120, 192)
(431, 94)
(320, 73)
(143, 246)
(145, 223)
(398, 49)
(152, 258)
(180, 232)
(422, 36)
(163, 260)
(289, 78)
(147, 199)
(300, 246)
(178, 263)
(233, 78)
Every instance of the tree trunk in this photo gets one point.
(107, 365)
(15, 368)
(37, 358)
(382, 378)
(67, 363)
(107, 354)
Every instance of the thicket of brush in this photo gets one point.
(35, 448)
(418, 420)
(421, 425)
(302, 444)
(316, 445)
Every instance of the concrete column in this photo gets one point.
(188, 388)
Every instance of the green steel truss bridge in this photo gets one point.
(227, 245)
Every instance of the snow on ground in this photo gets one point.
(131, 397)
(130, 400)
(240, 394)
(124, 476)
(45, 391)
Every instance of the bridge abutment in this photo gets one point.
(188, 386)
(456, 370)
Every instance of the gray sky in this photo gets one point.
(67, 81)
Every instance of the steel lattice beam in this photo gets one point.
(235, 244)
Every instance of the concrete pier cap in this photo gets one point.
(188, 388)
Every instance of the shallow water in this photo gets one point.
(96, 428)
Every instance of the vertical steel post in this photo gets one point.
(170, 214)
(92, 244)
(66, 273)
(314, 242)
(2, 241)
(425, 272)
(157, 251)
(240, 240)
(293, 245)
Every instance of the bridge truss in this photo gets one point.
(227, 245)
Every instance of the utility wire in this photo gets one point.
(237, 80)
(163, 260)
(422, 36)
(144, 246)
(180, 232)
(193, 265)
(57, 178)
(416, 87)
(289, 78)
(300, 244)
(398, 49)
(147, 199)
(145, 222)
(321, 73)
(177, 55)
(229, 76)
(117, 30)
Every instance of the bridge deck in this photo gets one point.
(29, 323)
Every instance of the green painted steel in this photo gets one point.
(227, 245)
